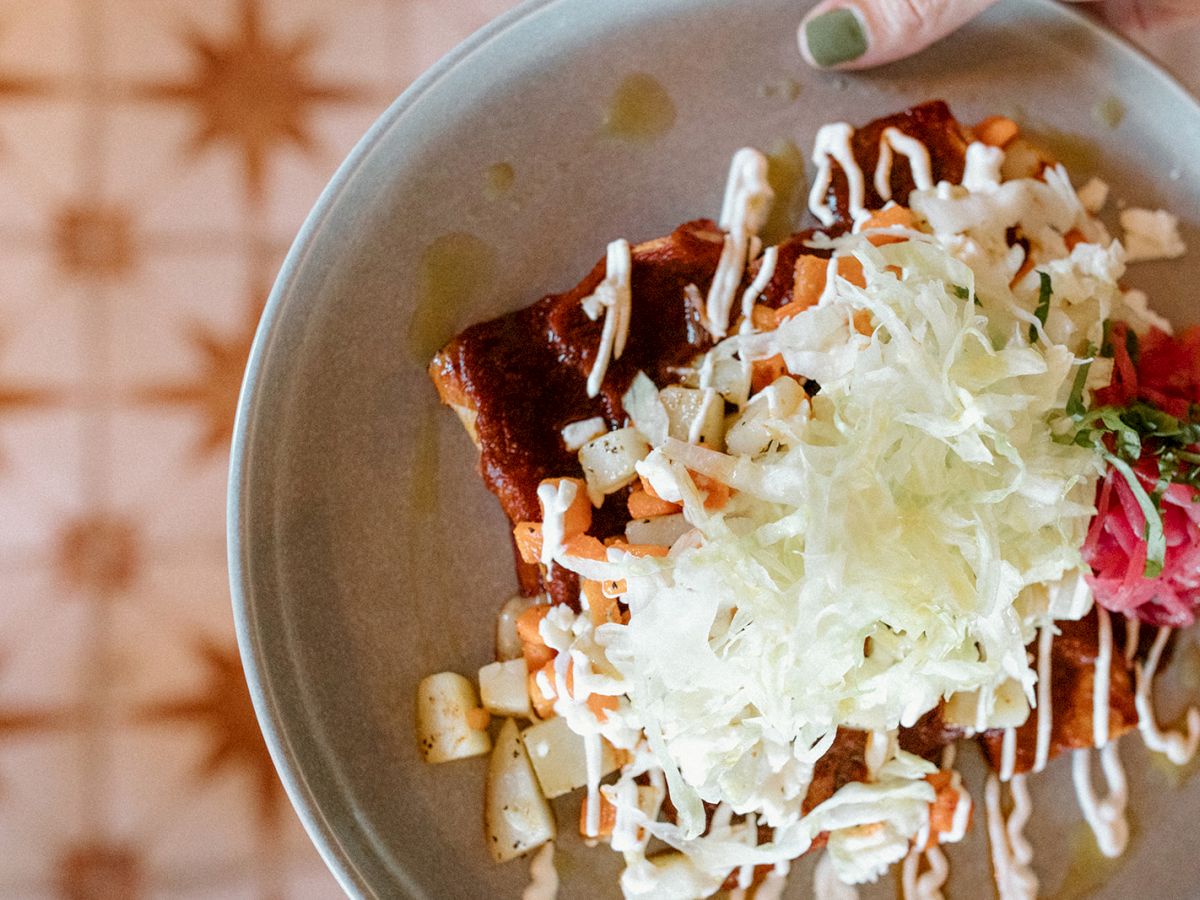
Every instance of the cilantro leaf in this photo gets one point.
(1043, 307)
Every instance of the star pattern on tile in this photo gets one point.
(17, 397)
(94, 240)
(93, 870)
(253, 92)
(98, 553)
(222, 708)
(212, 393)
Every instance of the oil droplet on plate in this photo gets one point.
(1110, 111)
(785, 174)
(640, 109)
(786, 89)
(498, 180)
(453, 268)
(1088, 870)
(1078, 153)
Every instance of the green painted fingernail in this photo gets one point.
(835, 37)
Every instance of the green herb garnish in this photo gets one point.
(1043, 307)
(1122, 435)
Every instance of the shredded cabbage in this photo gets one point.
(870, 564)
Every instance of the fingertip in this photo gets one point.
(832, 35)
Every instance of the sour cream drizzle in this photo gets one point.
(614, 296)
(832, 145)
(1008, 754)
(555, 499)
(1105, 816)
(1011, 852)
(927, 885)
(1133, 633)
(1045, 711)
(1100, 690)
(1179, 748)
(543, 877)
(747, 201)
(893, 139)
(826, 884)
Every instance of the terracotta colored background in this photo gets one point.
(156, 158)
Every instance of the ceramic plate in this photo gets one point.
(366, 553)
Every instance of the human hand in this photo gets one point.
(858, 34)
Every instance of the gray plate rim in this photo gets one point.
(322, 832)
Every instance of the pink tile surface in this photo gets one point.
(156, 157)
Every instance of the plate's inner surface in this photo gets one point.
(375, 556)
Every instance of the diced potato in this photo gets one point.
(508, 644)
(558, 756)
(661, 531)
(447, 713)
(1011, 708)
(502, 688)
(684, 404)
(516, 816)
(749, 434)
(608, 461)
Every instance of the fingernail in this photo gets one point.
(835, 37)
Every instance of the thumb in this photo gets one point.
(857, 34)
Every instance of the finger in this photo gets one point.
(857, 34)
(1127, 14)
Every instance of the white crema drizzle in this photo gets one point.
(1045, 710)
(927, 885)
(748, 199)
(894, 141)
(1178, 748)
(827, 885)
(613, 296)
(543, 877)
(1012, 854)
(833, 144)
(1104, 815)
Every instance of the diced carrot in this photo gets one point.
(1073, 237)
(529, 623)
(862, 322)
(478, 719)
(648, 487)
(584, 546)
(765, 371)
(808, 283)
(996, 131)
(886, 218)
(607, 818)
(1026, 268)
(639, 549)
(762, 317)
(528, 536)
(613, 587)
(578, 517)
(536, 655)
(644, 506)
(601, 705)
(851, 269)
(542, 705)
(716, 493)
(601, 609)
(941, 811)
